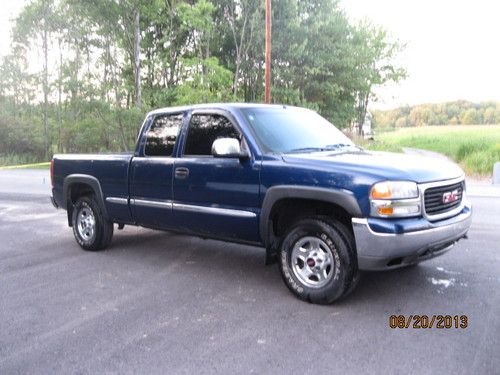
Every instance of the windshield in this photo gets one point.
(289, 130)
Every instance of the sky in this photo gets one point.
(452, 52)
(9, 9)
(452, 46)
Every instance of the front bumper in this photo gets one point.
(382, 251)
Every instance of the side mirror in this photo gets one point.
(228, 148)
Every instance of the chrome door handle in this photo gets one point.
(181, 173)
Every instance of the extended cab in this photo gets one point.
(274, 176)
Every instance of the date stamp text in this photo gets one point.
(428, 321)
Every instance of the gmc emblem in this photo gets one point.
(450, 196)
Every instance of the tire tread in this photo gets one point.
(351, 277)
(104, 227)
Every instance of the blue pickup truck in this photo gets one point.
(279, 177)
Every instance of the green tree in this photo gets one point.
(210, 82)
(489, 115)
(107, 62)
(470, 117)
(36, 22)
(375, 53)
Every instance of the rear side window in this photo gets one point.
(161, 136)
(204, 130)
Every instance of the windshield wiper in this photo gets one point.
(341, 145)
(337, 145)
(305, 149)
(319, 149)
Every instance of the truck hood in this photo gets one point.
(381, 165)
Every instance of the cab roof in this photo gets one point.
(224, 106)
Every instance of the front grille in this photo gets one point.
(433, 198)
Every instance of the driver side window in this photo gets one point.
(204, 129)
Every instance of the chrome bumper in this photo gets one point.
(381, 251)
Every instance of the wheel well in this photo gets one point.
(76, 191)
(287, 211)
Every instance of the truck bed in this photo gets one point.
(111, 170)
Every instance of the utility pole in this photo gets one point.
(45, 47)
(267, 91)
(137, 58)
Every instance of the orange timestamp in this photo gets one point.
(426, 321)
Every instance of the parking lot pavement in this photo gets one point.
(166, 303)
(25, 181)
(482, 189)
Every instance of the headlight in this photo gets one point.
(395, 199)
(394, 190)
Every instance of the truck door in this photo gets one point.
(216, 196)
(151, 172)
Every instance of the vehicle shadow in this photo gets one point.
(241, 263)
(167, 248)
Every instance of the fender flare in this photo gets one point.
(87, 180)
(341, 197)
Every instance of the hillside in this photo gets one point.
(451, 113)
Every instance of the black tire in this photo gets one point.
(336, 244)
(354, 283)
(85, 209)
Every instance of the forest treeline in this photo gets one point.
(452, 113)
(81, 74)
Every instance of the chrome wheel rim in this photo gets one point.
(85, 223)
(312, 262)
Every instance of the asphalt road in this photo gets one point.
(165, 303)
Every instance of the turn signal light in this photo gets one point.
(385, 210)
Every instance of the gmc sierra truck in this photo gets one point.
(274, 176)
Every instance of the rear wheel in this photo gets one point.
(90, 228)
(318, 260)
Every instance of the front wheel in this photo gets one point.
(318, 260)
(90, 228)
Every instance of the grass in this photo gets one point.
(18, 159)
(475, 147)
(45, 165)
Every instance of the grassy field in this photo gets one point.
(475, 147)
(26, 166)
